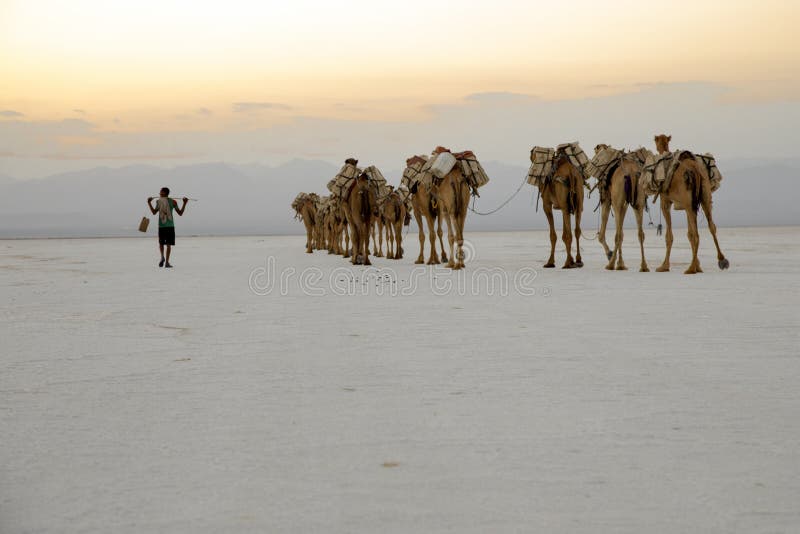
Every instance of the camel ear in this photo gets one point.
(655, 138)
(669, 138)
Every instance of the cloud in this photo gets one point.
(250, 107)
(204, 111)
(117, 157)
(79, 111)
(11, 113)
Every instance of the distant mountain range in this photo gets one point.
(255, 199)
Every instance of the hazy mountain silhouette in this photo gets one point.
(255, 198)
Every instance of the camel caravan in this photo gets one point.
(437, 187)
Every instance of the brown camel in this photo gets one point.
(563, 191)
(307, 210)
(393, 214)
(363, 207)
(452, 194)
(340, 227)
(620, 190)
(689, 189)
(424, 205)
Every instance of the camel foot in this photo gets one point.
(419, 261)
(609, 254)
(451, 264)
(724, 264)
(444, 256)
(578, 263)
(621, 267)
(367, 262)
(610, 267)
(309, 251)
(690, 270)
(434, 260)
(549, 265)
(644, 269)
(662, 269)
(570, 264)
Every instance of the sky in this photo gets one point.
(87, 83)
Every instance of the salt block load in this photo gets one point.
(413, 172)
(659, 169)
(377, 180)
(443, 161)
(544, 161)
(541, 165)
(603, 162)
(340, 184)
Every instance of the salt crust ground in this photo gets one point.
(134, 399)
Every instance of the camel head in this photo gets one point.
(600, 147)
(662, 143)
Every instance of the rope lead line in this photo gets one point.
(501, 206)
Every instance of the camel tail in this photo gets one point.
(396, 211)
(695, 180)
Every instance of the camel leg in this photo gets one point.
(694, 241)
(418, 218)
(578, 234)
(451, 238)
(309, 238)
(440, 234)
(389, 227)
(601, 236)
(619, 214)
(434, 258)
(566, 236)
(366, 246)
(380, 239)
(548, 211)
(612, 260)
(398, 240)
(721, 260)
(639, 212)
(460, 221)
(666, 207)
(354, 234)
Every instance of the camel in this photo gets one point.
(689, 189)
(363, 207)
(620, 190)
(307, 210)
(563, 191)
(338, 223)
(393, 213)
(424, 205)
(452, 194)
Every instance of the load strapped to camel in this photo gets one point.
(544, 161)
(297, 203)
(340, 184)
(377, 181)
(413, 173)
(443, 161)
(659, 169)
(604, 161)
(405, 195)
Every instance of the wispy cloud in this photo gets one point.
(11, 113)
(118, 157)
(204, 112)
(79, 111)
(250, 107)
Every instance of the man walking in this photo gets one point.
(166, 226)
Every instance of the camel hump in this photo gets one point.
(684, 155)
